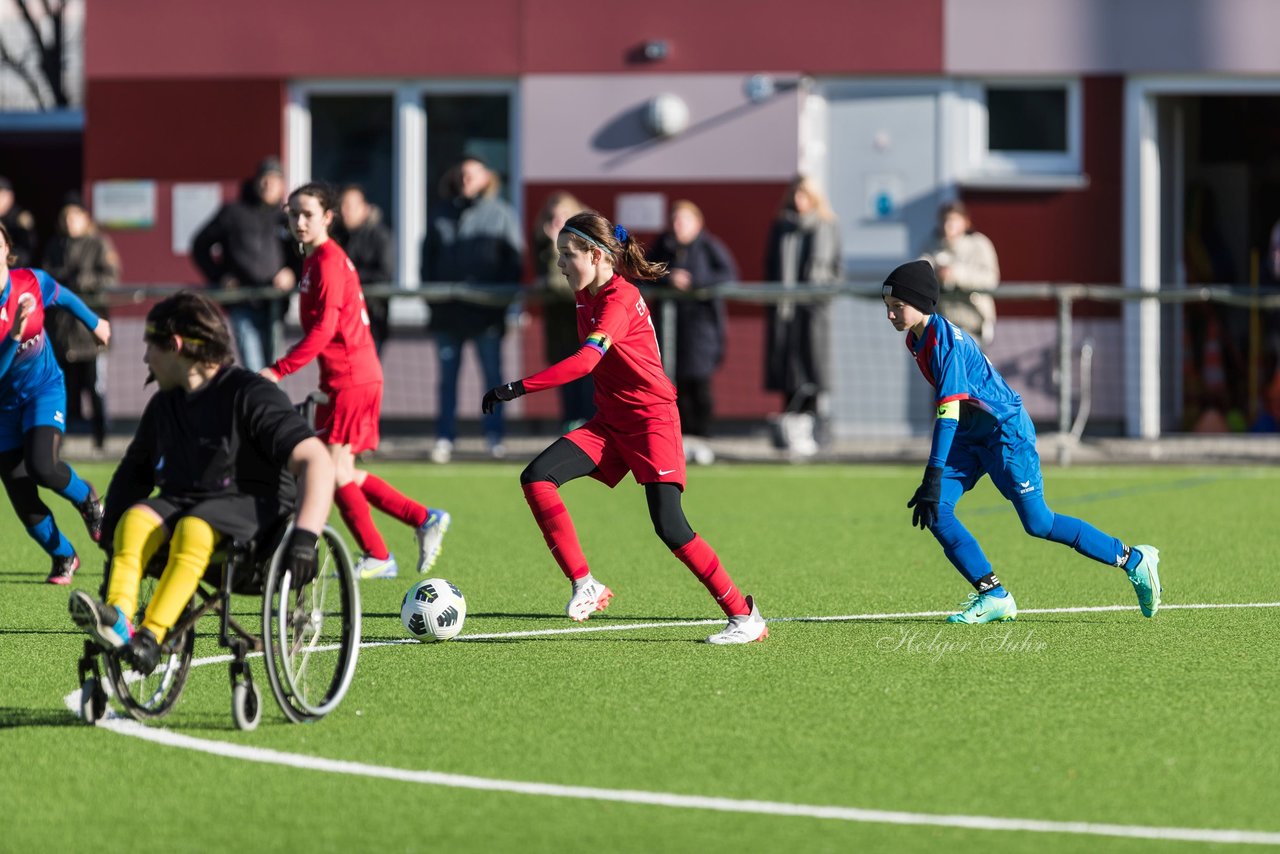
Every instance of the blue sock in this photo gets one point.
(998, 592)
(76, 490)
(1134, 558)
(46, 533)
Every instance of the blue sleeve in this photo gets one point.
(55, 294)
(944, 433)
(950, 381)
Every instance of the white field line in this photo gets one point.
(124, 726)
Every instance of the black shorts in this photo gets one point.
(240, 517)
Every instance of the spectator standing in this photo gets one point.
(696, 261)
(85, 262)
(473, 236)
(803, 250)
(20, 224)
(245, 245)
(370, 246)
(559, 323)
(964, 260)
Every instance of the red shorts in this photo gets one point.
(351, 417)
(649, 448)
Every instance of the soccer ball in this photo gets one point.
(433, 610)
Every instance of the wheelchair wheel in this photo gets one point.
(246, 705)
(311, 633)
(154, 695)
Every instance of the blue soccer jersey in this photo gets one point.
(958, 370)
(27, 367)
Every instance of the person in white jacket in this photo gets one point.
(966, 264)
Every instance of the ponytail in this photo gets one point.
(589, 230)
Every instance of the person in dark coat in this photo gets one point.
(85, 262)
(696, 261)
(247, 245)
(370, 246)
(20, 224)
(803, 250)
(559, 324)
(473, 236)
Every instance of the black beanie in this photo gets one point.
(914, 283)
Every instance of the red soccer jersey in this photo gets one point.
(335, 323)
(630, 383)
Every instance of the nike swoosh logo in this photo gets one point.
(661, 472)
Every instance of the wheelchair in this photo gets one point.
(309, 636)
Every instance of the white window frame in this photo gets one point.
(1032, 169)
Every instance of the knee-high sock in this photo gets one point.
(189, 553)
(393, 502)
(76, 490)
(139, 535)
(354, 510)
(46, 533)
(1039, 521)
(705, 564)
(1087, 540)
(557, 528)
(960, 547)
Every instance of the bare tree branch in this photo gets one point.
(50, 55)
(7, 60)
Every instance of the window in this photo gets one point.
(1022, 132)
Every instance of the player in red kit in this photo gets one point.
(636, 427)
(336, 331)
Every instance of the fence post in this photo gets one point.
(1064, 362)
(668, 342)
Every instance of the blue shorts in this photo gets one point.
(46, 408)
(1008, 454)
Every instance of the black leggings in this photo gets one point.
(565, 461)
(37, 463)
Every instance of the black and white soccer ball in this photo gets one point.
(433, 610)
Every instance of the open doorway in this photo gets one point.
(1223, 183)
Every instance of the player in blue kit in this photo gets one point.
(33, 405)
(982, 428)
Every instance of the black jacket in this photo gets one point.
(253, 239)
(701, 322)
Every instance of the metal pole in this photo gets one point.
(1064, 363)
(668, 342)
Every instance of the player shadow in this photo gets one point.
(68, 631)
(12, 717)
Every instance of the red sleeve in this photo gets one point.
(567, 370)
(323, 328)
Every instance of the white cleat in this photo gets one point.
(744, 628)
(430, 536)
(369, 566)
(588, 597)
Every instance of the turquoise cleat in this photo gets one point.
(1146, 580)
(985, 608)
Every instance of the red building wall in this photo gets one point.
(1069, 235)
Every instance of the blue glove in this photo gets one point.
(925, 501)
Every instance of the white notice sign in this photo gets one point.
(193, 206)
(125, 204)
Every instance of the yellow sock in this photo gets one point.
(139, 535)
(189, 552)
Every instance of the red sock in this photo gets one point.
(702, 561)
(392, 501)
(354, 510)
(557, 528)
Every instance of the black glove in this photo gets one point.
(926, 499)
(300, 557)
(501, 394)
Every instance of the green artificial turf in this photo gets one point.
(1096, 716)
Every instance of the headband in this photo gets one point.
(152, 332)
(619, 234)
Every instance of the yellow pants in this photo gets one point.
(139, 536)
